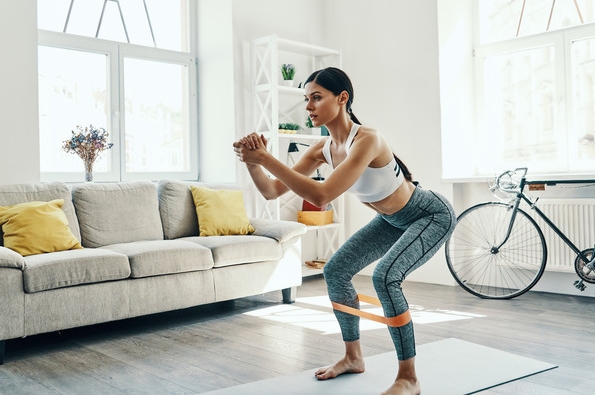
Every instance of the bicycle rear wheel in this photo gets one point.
(486, 270)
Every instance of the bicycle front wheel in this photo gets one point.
(484, 268)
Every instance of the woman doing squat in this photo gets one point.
(410, 226)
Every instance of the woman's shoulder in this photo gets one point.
(371, 140)
(367, 131)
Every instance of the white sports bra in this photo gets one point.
(376, 183)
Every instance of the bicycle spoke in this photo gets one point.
(483, 266)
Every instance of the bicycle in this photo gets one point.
(498, 251)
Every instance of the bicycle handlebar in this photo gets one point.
(506, 183)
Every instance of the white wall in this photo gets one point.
(300, 21)
(19, 160)
(391, 52)
(216, 111)
(455, 22)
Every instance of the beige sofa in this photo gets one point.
(142, 255)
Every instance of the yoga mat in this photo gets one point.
(445, 367)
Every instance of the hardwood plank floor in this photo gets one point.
(215, 346)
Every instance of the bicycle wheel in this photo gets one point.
(581, 268)
(486, 270)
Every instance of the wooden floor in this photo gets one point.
(216, 346)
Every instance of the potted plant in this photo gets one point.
(288, 128)
(288, 72)
(313, 130)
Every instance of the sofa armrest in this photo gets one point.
(277, 229)
(11, 259)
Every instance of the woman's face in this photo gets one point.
(322, 105)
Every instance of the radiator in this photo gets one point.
(576, 218)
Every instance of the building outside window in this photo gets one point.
(126, 66)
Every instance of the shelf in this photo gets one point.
(308, 271)
(305, 49)
(297, 136)
(327, 226)
(274, 102)
(290, 90)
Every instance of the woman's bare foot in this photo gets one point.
(345, 365)
(352, 362)
(406, 382)
(403, 387)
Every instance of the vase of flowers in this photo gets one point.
(288, 72)
(88, 143)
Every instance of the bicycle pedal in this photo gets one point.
(579, 285)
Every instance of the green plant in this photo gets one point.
(309, 123)
(288, 71)
(289, 126)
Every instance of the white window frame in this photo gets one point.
(561, 41)
(116, 53)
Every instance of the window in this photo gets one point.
(128, 67)
(501, 20)
(535, 86)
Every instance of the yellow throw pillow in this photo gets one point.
(37, 227)
(220, 212)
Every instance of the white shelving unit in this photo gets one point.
(274, 103)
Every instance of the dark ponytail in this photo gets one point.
(337, 81)
(406, 173)
(353, 117)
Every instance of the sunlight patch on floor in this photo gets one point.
(321, 317)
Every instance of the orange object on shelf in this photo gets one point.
(315, 218)
(307, 206)
(316, 263)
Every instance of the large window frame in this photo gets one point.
(561, 42)
(117, 53)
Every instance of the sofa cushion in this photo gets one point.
(21, 193)
(74, 267)
(153, 258)
(11, 259)
(277, 229)
(236, 250)
(37, 227)
(117, 213)
(176, 205)
(220, 212)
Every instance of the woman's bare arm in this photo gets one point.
(363, 150)
(271, 188)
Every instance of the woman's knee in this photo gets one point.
(381, 278)
(332, 272)
(329, 269)
(335, 273)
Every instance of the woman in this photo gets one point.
(410, 226)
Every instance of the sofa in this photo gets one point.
(138, 250)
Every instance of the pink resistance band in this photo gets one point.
(400, 320)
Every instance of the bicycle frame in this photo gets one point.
(499, 251)
(520, 195)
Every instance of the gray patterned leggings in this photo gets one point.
(401, 242)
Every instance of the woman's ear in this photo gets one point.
(343, 97)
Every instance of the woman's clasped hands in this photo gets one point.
(251, 148)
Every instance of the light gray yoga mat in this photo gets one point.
(445, 367)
